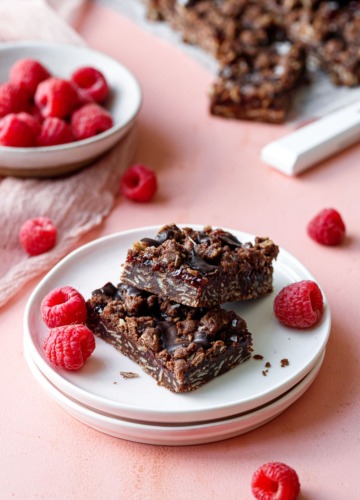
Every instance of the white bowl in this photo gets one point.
(61, 60)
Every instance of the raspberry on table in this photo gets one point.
(15, 132)
(13, 99)
(327, 227)
(92, 82)
(54, 131)
(69, 346)
(56, 97)
(299, 305)
(90, 120)
(139, 183)
(275, 481)
(27, 74)
(38, 235)
(63, 306)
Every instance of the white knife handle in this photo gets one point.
(312, 143)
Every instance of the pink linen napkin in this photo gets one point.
(76, 203)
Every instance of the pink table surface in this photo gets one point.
(209, 173)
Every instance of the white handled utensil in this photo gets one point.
(312, 143)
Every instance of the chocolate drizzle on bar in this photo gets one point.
(200, 268)
(182, 347)
(165, 314)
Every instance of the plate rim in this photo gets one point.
(180, 438)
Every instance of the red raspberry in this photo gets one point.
(139, 183)
(38, 235)
(327, 227)
(36, 113)
(275, 481)
(13, 99)
(56, 97)
(90, 120)
(27, 74)
(92, 82)
(83, 98)
(31, 120)
(15, 132)
(54, 131)
(63, 306)
(299, 305)
(69, 346)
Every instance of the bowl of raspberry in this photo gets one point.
(61, 107)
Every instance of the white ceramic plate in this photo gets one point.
(99, 384)
(62, 59)
(176, 435)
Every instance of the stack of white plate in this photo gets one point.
(136, 408)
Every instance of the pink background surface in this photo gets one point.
(209, 172)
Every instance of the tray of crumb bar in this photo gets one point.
(112, 383)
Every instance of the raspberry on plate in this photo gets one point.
(275, 481)
(69, 346)
(139, 183)
(15, 132)
(56, 97)
(327, 227)
(63, 306)
(13, 99)
(92, 82)
(38, 235)
(54, 131)
(27, 74)
(299, 305)
(90, 120)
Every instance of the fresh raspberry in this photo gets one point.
(31, 120)
(63, 306)
(90, 120)
(275, 481)
(327, 227)
(15, 132)
(83, 98)
(13, 99)
(69, 346)
(299, 305)
(36, 113)
(139, 183)
(38, 235)
(56, 97)
(92, 82)
(27, 74)
(54, 131)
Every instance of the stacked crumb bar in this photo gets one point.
(166, 313)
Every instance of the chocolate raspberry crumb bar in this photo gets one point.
(242, 34)
(331, 34)
(179, 346)
(200, 268)
(259, 86)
